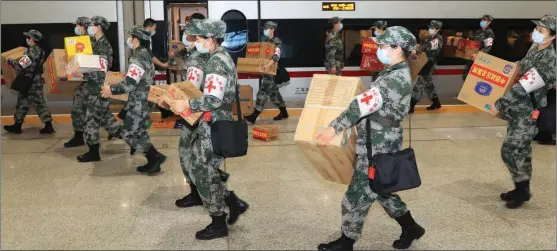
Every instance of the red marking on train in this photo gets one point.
(352, 73)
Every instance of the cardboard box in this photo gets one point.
(460, 48)
(54, 74)
(416, 63)
(255, 65)
(8, 72)
(472, 47)
(327, 98)
(370, 62)
(156, 92)
(184, 91)
(85, 63)
(488, 80)
(77, 45)
(265, 132)
(246, 100)
(448, 48)
(177, 46)
(115, 78)
(365, 35)
(369, 47)
(261, 50)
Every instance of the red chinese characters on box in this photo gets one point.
(370, 62)
(369, 47)
(489, 75)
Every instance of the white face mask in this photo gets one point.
(130, 44)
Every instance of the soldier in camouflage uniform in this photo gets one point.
(385, 104)
(220, 87)
(34, 57)
(98, 112)
(485, 36)
(136, 84)
(269, 89)
(334, 47)
(378, 30)
(80, 95)
(518, 110)
(432, 47)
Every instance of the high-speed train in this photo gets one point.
(301, 27)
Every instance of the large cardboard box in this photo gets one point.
(177, 46)
(370, 62)
(261, 50)
(246, 101)
(369, 47)
(156, 92)
(467, 48)
(8, 72)
(327, 98)
(416, 63)
(55, 76)
(255, 65)
(265, 132)
(77, 45)
(488, 80)
(184, 91)
(83, 63)
(115, 78)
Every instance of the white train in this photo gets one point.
(301, 27)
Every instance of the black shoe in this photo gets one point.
(342, 244)
(217, 229)
(436, 104)
(15, 128)
(282, 115)
(410, 231)
(77, 140)
(191, 200)
(92, 155)
(154, 161)
(520, 195)
(122, 114)
(413, 103)
(251, 118)
(48, 129)
(223, 175)
(236, 206)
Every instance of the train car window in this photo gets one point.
(236, 37)
(519, 41)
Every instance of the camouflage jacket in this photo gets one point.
(485, 37)
(139, 77)
(95, 80)
(389, 97)
(334, 48)
(516, 102)
(220, 86)
(278, 47)
(34, 57)
(432, 46)
(194, 67)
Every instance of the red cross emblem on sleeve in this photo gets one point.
(366, 98)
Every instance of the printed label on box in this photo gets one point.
(489, 75)
(483, 88)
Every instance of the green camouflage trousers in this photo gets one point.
(136, 122)
(34, 97)
(516, 150)
(268, 90)
(467, 69)
(185, 149)
(425, 83)
(359, 197)
(338, 66)
(98, 115)
(79, 108)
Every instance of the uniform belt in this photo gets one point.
(384, 121)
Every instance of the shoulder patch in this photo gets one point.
(434, 44)
(25, 61)
(214, 85)
(104, 64)
(488, 42)
(194, 75)
(369, 101)
(135, 72)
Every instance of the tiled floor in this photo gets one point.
(49, 201)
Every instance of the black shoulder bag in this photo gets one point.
(546, 117)
(391, 172)
(22, 83)
(230, 138)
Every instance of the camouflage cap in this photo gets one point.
(335, 20)
(380, 25)
(140, 32)
(211, 28)
(270, 25)
(399, 36)
(487, 17)
(34, 34)
(435, 24)
(191, 27)
(547, 21)
(83, 21)
(98, 20)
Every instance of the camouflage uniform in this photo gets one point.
(516, 106)
(486, 38)
(432, 47)
(334, 48)
(388, 97)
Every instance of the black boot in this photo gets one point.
(342, 244)
(282, 115)
(223, 175)
(520, 195)
(217, 229)
(92, 155)
(48, 129)
(191, 200)
(251, 118)
(236, 206)
(413, 103)
(122, 114)
(15, 128)
(410, 231)
(77, 140)
(436, 104)
(508, 196)
(154, 161)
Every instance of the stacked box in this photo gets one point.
(77, 45)
(55, 76)
(258, 54)
(184, 91)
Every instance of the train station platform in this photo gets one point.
(49, 201)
